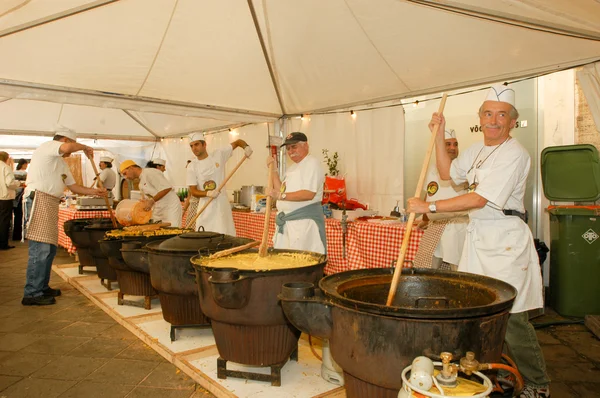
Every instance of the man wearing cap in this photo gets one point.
(158, 192)
(204, 175)
(445, 232)
(46, 180)
(300, 221)
(499, 243)
(107, 174)
(159, 164)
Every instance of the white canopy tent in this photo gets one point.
(150, 69)
(142, 69)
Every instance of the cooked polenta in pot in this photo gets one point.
(251, 261)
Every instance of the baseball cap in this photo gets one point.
(294, 138)
(126, 164)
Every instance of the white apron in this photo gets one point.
(452, 241)
(217, 216)
(299, 235)
(502, 247)
(168, 209)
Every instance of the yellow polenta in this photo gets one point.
(251, 261)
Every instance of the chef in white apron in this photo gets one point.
(107, 174)
(453, 226)
(158, 192)
(204, 175)
(46, 180)
(499, 244)
(300, 220)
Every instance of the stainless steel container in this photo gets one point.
(248, 191)
(237, 196)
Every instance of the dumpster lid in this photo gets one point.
(574, 210)
(571, 173)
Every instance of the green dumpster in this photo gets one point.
(572, 174)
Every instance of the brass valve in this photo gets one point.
(469, 364)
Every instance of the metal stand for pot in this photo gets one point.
(147, 304)
(107, 284)
(175, 327)
(274, 377)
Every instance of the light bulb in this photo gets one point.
(416, 103)
(353, 115)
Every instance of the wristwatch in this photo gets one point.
(283, 195)
(432, 207)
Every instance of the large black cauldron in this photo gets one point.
(133, 280)
(434, 311)
(172, 275)
(247, 320)
(75, 230)
(95, 231)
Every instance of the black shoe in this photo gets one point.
(40, 300)
(7, 247)
(49, 292)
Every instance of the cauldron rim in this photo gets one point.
(153, 247)
(505, 294)
(322, 260)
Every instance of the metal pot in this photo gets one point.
(434, 311)
(173, 277)
(96, 231)
(248, 191)
(248, 322)
(237, 196)
(75, 230)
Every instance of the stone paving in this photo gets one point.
(74, 349)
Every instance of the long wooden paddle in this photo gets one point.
(100, 185)
(234, 250)
(193, 220)
(411, 217)
(262, 251)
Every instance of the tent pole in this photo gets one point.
(54, 17)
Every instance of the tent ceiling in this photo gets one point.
(239, 61)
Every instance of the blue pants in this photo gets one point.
(39, 267)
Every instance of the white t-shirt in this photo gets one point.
(301, 234)
(438, 189)
(48, 171)
(307, 175)
(206, 175)
(501, 177)
(451, 242)
(168, 208)
(108, 178)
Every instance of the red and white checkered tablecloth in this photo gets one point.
(66, 214)
(368, 245)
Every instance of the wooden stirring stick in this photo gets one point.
(411, 218)
(100, 185)
(234, 250)
(262, 251)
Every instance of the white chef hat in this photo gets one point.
(449, 133)
(65, 132)
(159, 161)
(501, 93)
(196, 137)
(106, 159)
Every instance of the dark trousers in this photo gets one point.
(5, 217)
(17, 222)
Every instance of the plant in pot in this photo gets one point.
(335, 185)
